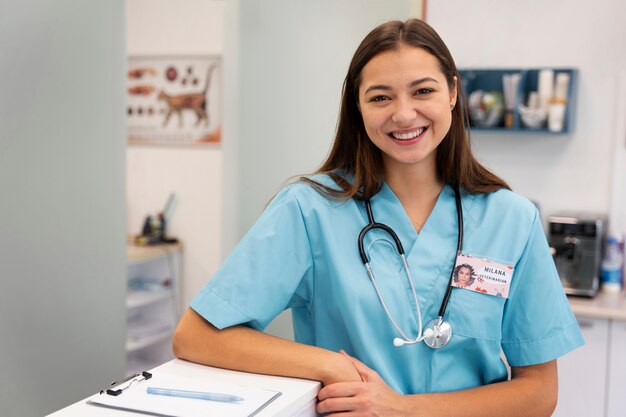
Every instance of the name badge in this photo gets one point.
(482, 275)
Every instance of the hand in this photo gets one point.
(368, 398)
(339, 368)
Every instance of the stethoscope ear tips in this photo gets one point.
(397, 342)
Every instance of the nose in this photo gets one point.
(403, 112)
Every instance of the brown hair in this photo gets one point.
(354, 155)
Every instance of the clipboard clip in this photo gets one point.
(131, 379)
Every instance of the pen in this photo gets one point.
(210, 396)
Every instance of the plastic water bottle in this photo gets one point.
(612, 266)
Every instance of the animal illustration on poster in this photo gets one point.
(174, 100)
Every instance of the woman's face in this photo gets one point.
(406, 105)
(464, 276)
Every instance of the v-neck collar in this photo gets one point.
(388, 209)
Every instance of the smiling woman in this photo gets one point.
(405, 102)
(401, 154)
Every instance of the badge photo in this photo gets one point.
(482, 275)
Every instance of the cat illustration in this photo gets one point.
(195, 102)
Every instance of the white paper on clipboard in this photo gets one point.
(136, 399)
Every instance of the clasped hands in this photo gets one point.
(371, 396)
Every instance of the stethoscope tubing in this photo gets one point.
(371, 226)
(382, 301)
(444, 302)
(459, 249)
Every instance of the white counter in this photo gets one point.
(604, 306)
(299, 396)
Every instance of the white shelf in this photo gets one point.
(140, 254)
(136, 299)
(152, 303)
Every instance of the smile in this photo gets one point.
(408, 135)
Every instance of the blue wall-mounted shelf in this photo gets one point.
(491, 80)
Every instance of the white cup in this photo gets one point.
(556, 117)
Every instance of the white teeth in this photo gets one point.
(409, 135)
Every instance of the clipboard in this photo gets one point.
(133, 396)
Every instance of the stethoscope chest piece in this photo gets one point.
(437, 333)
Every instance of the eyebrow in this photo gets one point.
(411, 84)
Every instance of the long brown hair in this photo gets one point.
(353, 154)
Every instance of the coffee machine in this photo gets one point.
(577, 244)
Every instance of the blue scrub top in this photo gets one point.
(302, 254)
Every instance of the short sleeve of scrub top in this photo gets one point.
(538, 324)
(262, 276)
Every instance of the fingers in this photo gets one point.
(341, 404)
(337, 397)
(340, 389)
(367, 374)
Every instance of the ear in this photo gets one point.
(453, 93)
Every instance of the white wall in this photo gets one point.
(62, 254)
(194, 173)
(573, 172)
(618, 190)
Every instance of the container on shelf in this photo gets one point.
(612, 266)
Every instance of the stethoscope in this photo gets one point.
(437, 332)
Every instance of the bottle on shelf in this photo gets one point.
(612, 266)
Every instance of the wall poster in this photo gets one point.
(174, 100)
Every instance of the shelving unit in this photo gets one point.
(490, 80)
(152, 304)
